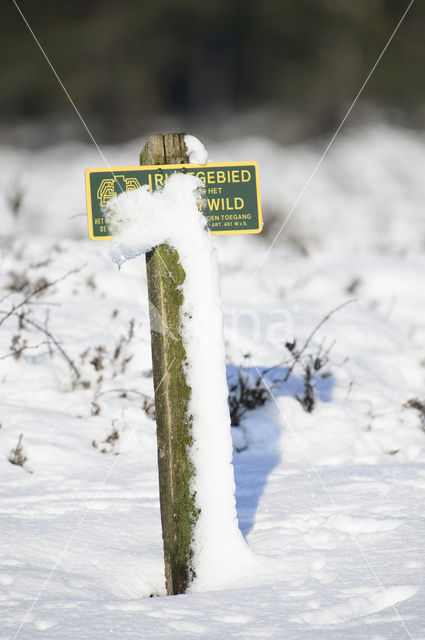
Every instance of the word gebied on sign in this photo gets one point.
(231, 193)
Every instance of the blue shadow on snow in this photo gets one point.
(256, 441)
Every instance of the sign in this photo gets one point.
(231, 193)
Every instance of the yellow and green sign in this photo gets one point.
(231, 193)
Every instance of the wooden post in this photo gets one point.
(165, 276)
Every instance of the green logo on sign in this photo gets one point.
(110, 187)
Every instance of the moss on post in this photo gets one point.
(165, 276)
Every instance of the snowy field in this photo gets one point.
(329, 471)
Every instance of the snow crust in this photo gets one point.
(195, 150)
(171, 215)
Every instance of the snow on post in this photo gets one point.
(202, 543)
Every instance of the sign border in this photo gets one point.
(114, 170)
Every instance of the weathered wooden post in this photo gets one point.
(196, 488)
(165, 275)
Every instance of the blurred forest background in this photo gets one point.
(284, 68)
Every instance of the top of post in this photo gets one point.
(168, 148)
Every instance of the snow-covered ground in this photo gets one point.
(330, 501)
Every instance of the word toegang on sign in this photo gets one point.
(231, 193)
